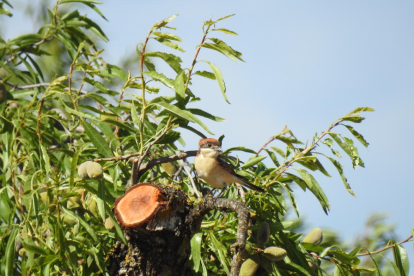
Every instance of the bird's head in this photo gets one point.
(209, 147)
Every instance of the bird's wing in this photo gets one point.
(228, 167)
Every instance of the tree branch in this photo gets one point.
(208, 204)
(385, 248)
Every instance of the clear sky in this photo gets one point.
(307, 63)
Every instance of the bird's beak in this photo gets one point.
(218, 149)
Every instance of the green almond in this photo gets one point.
(275, 253)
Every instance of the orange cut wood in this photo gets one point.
(139, 204)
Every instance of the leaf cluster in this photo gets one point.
(54, 222)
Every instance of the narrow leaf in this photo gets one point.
(219, 78)
(357, 135)
(225, 31)
(10, 253)
(252, 161)
(179, 87)
(161, 78)
(84, 224)
(98, 140)
(205, 74)
(196, 250)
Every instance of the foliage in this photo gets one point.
(53, 222)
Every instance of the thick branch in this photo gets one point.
(208, 204)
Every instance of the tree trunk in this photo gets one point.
(160, 245)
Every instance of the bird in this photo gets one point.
(213, 168)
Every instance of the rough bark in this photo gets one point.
(161, 246)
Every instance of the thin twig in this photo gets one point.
(117, 158)
(166, 129)
(385, 248)
(145, 167)
(191, 179)
(294, 158)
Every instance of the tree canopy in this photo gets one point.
(56, 217)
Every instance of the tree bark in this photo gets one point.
(161, 245)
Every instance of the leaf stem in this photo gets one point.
(195, 58)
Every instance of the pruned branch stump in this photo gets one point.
(158, 223)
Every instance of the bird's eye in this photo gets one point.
(209, 145)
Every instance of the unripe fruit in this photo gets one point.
(93, 207)
(275, 253)
(82, 170)
(94, 170)
(90, 170)
(169, 168)
(263, 234)
(3, 93)
(250, 266)
(109, 224)
(69, 220)
(314, 237)
(74, 201)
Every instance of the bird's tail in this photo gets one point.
(243, 181)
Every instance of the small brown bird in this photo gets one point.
(211, 167)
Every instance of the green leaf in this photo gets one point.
(100, 200)
(272, 156)
(360, 109)
(252, 161)
(221, 251)
(167, 36)
(279, 151)
(219, 78)
(84, 224)
(314, 187)
(348, 147)
(114, 71)
(329, 143)
(357, 135)
(185, 114)
(161, 78)
(172, 60)
(134, 115)
(227, 151)
(222, 47)
(401, 259)
(10, 253)
(179, 87)
(5, 11)
(30, 246)
(302, 184)
(170, 44)
(339, 167)
(200, 112)
(196, 250)
(98, 140)
(193, 130)
(205, 74)
(355, 119)
(73, 168)
(224, 31)
(97, 84)
(227, 16)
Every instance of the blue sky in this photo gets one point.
(307, 63)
